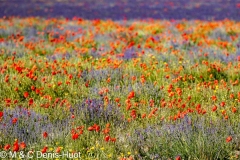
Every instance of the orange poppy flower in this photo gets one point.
(214, 108)
(131, 95)
(44, 150)
(58, 150)
(229, 139)
(25, 94)
(22, 145)
(234, 109)
(214, 98)
(113, 139)
(178, 158)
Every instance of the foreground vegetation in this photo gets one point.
(120, 89)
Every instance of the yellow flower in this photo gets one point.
(102, 148)
(110, 156)
(97, 144)
(128, 153)
(51, 149)
(92, 148)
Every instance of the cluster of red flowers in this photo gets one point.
(15, 147)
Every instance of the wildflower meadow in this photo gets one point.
(145, 89)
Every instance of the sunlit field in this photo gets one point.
(120, 89)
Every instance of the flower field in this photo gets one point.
(122, 89)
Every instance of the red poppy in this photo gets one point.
(231, 96)
(75, 136)
(37, 91)
(204, 111)
(214, 98)
(144, 115)
(30, 102)
(90, 128)
(26, 94)
(7, 147)
(45, 134)
(234, 109)
(44, 150)
(214, 108)
(22, 145)
(131, 95)
(14, 120)
(8, 101)
(229, 139)
(58, 150)
(107, 138)
(106, 131)
(16, 142)
(16, 147)
(96, 127)
(133, 114)
(32, 88)
(222, 104)
(70, 76)
(87, 84)
(178, 158)
(198, 107)
(117, 100)
(54, 73)
(113, 139)
(15, 101)
(59, 83)
(6, 78)
(1, 114)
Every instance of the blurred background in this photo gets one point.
(124, 9)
